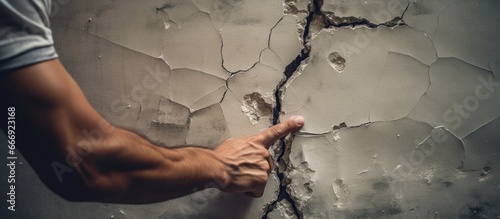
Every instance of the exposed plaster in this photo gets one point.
(372, 105)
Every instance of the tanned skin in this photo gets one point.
(122, 167)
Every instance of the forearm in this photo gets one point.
(126, 168)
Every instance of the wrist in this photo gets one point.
(206, 166)
(219, 171)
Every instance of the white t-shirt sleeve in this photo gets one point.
(25, 35)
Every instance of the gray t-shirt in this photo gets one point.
(25, 36)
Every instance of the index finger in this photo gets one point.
(272, 134)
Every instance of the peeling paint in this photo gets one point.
(400, 99)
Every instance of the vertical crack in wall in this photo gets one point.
(316, 19)
(289, 70)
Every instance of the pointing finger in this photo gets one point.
(272, 134)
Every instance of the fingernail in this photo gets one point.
(299, 120)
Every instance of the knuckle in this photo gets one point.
(257, 138)
(256, 142)
(266, 154)
(260, 178)
(274, 131)
(264, 179)
(265, 166)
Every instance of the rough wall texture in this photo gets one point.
(400, 98)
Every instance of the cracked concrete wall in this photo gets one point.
(400, 100)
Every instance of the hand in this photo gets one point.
(247, 160)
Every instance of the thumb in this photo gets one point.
(272, 134)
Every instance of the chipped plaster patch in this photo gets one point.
(255, 107)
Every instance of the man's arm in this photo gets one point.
(121, 167)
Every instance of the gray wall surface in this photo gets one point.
(401, 101)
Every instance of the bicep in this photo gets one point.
(49, 98)
(42, 86)
(51, 112)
